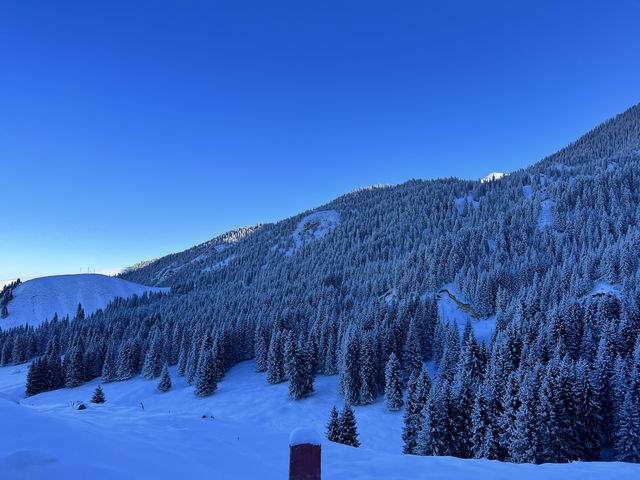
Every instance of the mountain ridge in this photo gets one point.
(506, 313)
(591, 143)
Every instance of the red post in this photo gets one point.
(304, 455)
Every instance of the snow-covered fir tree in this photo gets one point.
(333, 426)
(347, 427)
(206, 383)
(299, 371)
(392, 388)
(98, 395)
(164, 385)
(417, 397)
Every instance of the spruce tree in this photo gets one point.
(183, 356)
(109, 367)
(261, 349)
(348, 428)
(524, 440)
(5, 354)
(36, 378)
(392, 389)
(164, 385)
(333, 427)
(350, 382)
(206, 382)
(368, 372)
(435, 437)
(98, 395)
(461, 404)
(412, 352)
(602, 382)
(417, 397)
(588, 415)
(299, 373)
(483, 439)
(275, 360)
(627, 434)
(79, 313)
(152, 363)
(55, 378)
(507, 415)
(75, 375)
(127, 360)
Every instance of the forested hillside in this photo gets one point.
(551, 252)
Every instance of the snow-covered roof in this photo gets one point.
(304, 436)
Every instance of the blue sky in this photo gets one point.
(129, 130)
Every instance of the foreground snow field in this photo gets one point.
(45, 437)
(38, 299)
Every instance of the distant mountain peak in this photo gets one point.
(493, 176)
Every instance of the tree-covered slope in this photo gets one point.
(579, 203)
(550, 253)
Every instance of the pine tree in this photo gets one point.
(524, 440)
(462, 397)
(412, 352)
(164, 385)
(218, 359)
(152, 363)
(348, 428)
(127, 360)
(109, 367)
(368, 372)
(75, 375)
(182, 362)
(417, 397)
(183, 355)
(556, 412)
(261, 349)
(206, 382)
(79, 313)
(627, 434)
(507, 415)
(275, 360)
(602, 382)
(299, 373)
(483, 439)
(435, 437)
(588, 416)
(330, 364)
(288, 351)
(192, 364)
(392, 389)
(5, 354)
(55, 378)
(36, 378)
(98, 395)
(409, 432)
(350, 382)
(448, 364)
(333, 427)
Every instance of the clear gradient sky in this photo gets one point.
(129, 130)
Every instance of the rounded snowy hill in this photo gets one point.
(38, 299)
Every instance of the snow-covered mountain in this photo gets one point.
(40, 298)
(492, 176)
(505, 313)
